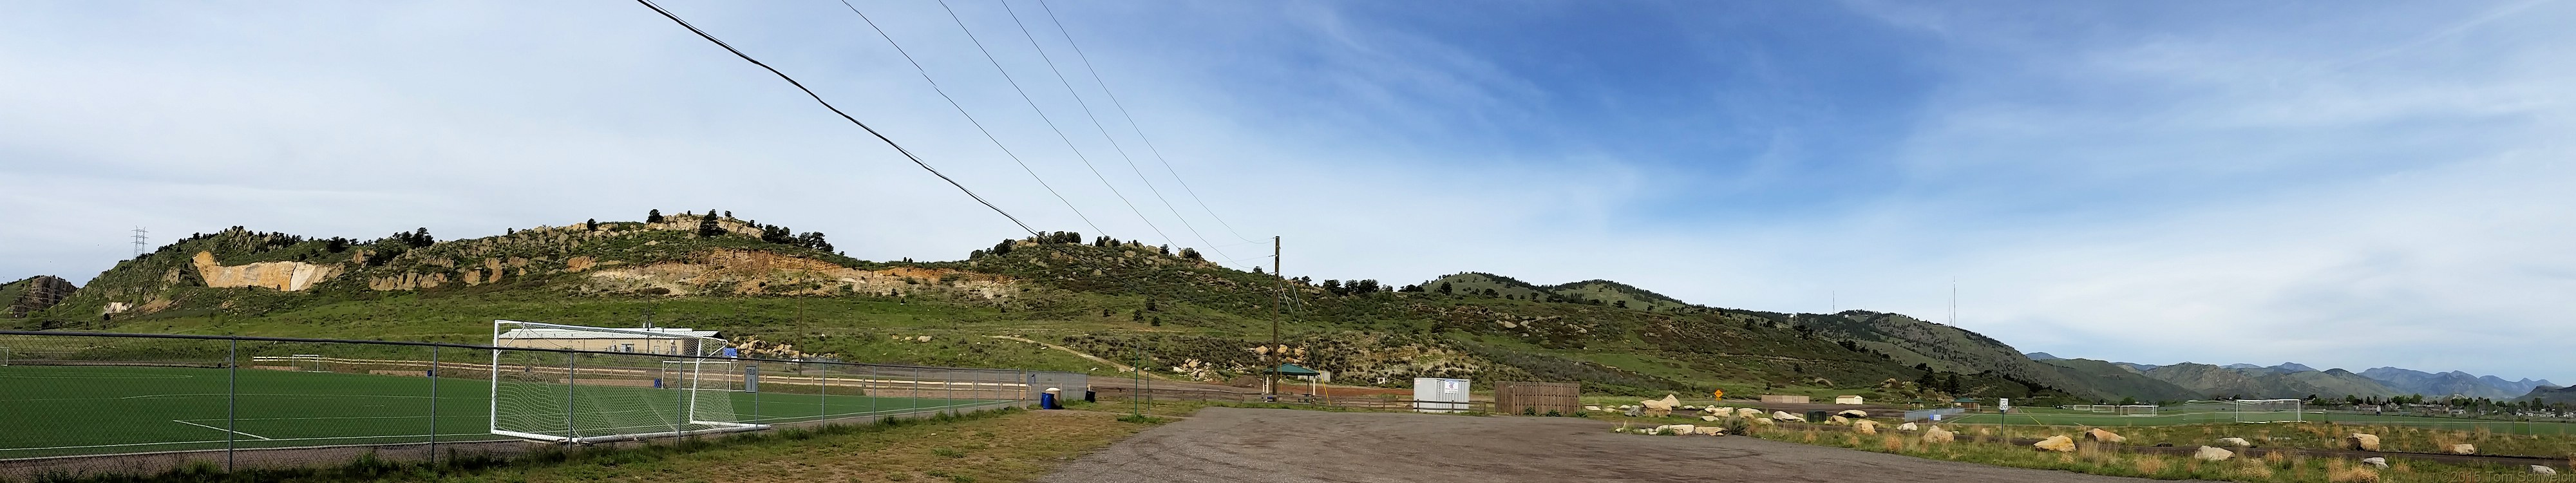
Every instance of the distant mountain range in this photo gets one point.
(2292, 380)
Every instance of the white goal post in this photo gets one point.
(2268, 410)
(584, 385)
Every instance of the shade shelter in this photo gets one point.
(1314, 380)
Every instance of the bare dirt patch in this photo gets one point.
(1235, 445)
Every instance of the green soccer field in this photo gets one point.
(81, 410)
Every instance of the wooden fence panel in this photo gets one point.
(1537, 397)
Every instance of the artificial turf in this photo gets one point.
(83, 410)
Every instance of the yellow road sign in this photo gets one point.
(1717, 394)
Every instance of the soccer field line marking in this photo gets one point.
(326, 438)
(295, 395)
(221, 429)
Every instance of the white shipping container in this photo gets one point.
(1438, 395)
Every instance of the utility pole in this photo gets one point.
(1270, 385)
(139, 236)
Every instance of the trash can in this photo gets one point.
(1048, 400)
(1090, 396)
(1817, 416)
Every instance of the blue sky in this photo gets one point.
(2338, 184)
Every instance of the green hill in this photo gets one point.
(788, 294)
(2218, 381)
(2124, 381)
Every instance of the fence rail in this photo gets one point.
(178, 398)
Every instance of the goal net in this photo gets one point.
(570, 383)
(2268, 410)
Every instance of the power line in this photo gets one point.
(1131, 123)
(1050, 122)
(818, 99)
(970, 118)
(1104, 129)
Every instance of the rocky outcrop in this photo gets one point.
(36, 293)
(282, 276)
(760, 272)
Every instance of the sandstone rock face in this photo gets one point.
(2100, 435)
(1865, 427)
(2375, 462)
(2209, 453)
(1907, 427)
(1938, 435)
(759, 272)
(2360, 441)
(2059, 444)
(2236, 442)
(2463, 448)
(281, 276)
(43, 292)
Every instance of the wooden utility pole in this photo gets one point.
(1270, 386)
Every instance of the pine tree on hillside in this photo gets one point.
(654, 216)
(707, 225)
(1444, 288)
(590, 225)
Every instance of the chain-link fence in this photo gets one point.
(211, 398)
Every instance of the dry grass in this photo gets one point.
(2148, 465)
(1013, 447)
(2337, 471)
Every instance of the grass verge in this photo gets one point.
(1007, 445)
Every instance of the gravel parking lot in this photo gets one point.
(1232, 445)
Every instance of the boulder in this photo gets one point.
(2375, 462)
(1632, 412)
(1712, 430)
(1592, 408)
(2543, 470)
(1708, 418)
(1690, 408)
(2462, 448)
(1907, 427)
(1676, 429)
(1748, 413)
(2360, 441)
(2212, 453)
(2236, 442)
(1865, 427)
(1936, 435)
(2059, 444)
(1838, 420)
(1758, 421)
(2102, 436)
(1785, 416)
(1660, 407)
(1853, 413)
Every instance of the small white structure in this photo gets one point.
(1847, 400)
(1439, 395)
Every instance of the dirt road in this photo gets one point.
(1230, 445)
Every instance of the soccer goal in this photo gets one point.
(2268, 410)
(306, 362)
(577, 384)
(4, 355)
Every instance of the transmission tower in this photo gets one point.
(139, 236)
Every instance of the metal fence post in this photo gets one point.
(569, 369)
(823, 397)
(433, 408)
(232, 399)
